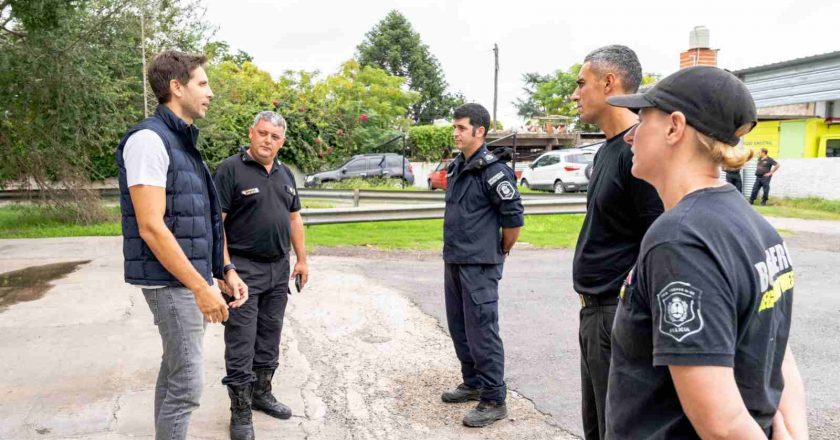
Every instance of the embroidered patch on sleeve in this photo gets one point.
(680, 315)
(495, 178)
(505, 191)
(290, 190)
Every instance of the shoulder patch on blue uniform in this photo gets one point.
(291, 190)
(496, 177)
(488, 156)
(505, 190)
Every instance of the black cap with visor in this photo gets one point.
(714, 101)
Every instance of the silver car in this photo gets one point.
(559, 171)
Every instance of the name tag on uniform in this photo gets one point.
(290, 190)
(498, 176)
(250, 192)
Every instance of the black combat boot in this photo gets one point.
(241, 427)
(485, 413)
(462, 393)
(263, 399)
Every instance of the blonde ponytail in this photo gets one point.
(724, 154)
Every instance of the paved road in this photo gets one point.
(359, 360)
(539, 320)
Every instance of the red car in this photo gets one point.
(437, 178)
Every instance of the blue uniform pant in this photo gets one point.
(760, 182)
(472, 313)
(252, 331)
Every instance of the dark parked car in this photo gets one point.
(384, 165)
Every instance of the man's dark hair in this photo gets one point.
(476, 113)
(764, 150)
(620, 60)
(168, 65)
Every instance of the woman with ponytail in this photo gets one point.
(700, 340)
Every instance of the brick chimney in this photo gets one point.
(698, 53)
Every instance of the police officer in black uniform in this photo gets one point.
(700, 341)
(765, 167)
(483, 216)
(260, 206)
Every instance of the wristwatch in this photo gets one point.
(228, 267)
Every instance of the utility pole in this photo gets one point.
(143, 51)
(495, 83)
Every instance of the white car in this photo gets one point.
(559, 171)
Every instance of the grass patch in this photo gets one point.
(31, 221)
(540, 231)
(809, 208)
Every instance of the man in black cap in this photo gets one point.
(700, 341)
(620, 208)
(764, 170)
(260, 207)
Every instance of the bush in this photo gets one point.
(430, 142)
(370, 183)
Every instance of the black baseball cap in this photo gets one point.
(714, 101)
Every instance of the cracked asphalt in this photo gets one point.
(365, 352)
(359, 360)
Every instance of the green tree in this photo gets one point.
(328, 120)
(71, 83)
(394, 46)
(552, 95)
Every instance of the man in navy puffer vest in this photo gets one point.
(173, 238)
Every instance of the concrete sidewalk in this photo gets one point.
(358, 360)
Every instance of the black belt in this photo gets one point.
(597, 300)
(257, 258)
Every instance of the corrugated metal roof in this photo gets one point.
(803, 80)
(792, 62)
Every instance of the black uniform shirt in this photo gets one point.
(763, 166)
(706, 291)
(257, 204)
(481, 198)
(619, 209)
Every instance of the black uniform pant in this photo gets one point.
(472, 312)
(734, 177)
(252, 331)
(596, 321)
(760, 182)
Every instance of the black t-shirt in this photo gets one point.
(706, 291)
(619, 209)
(257, 204)
(763, 166)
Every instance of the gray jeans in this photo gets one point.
(181, 377)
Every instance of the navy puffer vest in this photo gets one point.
(192, 211)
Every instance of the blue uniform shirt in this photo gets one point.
(481, 198)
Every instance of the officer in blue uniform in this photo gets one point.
(483, 216)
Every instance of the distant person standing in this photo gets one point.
(764, 170)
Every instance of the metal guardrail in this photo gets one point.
(570, 205)
(26, 194)
(406, 196)
(535, 204)
(327, 194)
